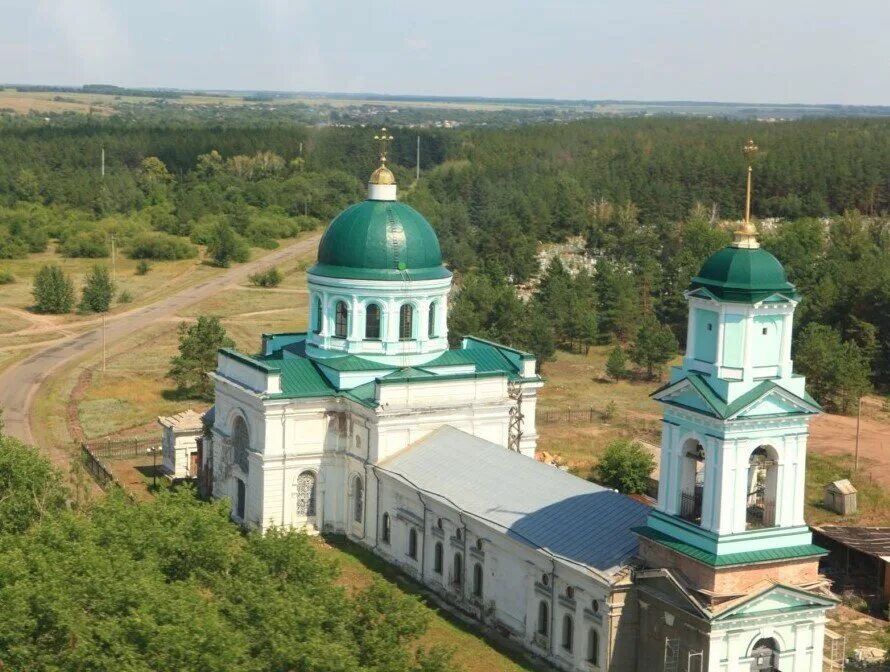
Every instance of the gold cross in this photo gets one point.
(383, 138)
(749, 150)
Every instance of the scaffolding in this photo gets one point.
(671, 654)
(834, 652)
(514, 432)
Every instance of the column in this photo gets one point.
(747, 336)
(785, 359)
(718, 357)
(690, 335)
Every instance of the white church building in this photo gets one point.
(368, 425)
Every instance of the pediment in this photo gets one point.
(776, 599)
(775, 401)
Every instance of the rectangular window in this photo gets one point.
(710, 327)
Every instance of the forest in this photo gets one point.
(651, 198)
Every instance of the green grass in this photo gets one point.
(472, 652)
(873, 500)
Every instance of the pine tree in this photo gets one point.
(616, 365)
(198, 344)
(98, 291)
(53, 291)
(837, 372)
(655, 346)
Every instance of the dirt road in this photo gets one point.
(20, 383)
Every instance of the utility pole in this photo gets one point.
(417, 171)
(103, 341)
(103, 162)
(858, 421)
(301, 149)
(113, 262)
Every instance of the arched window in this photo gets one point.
(477, 580)
(766, 655)
(438, 558)
(431, 321)
(458, 534)
(341, 320)
(760, 504)
(543, 618)
(372, 322)
(593, 647)
(387, 527)
(319, 315)
(406, 322)
(358, 499)
(306, 495)
(240, 443)
(568, 632)
(458, 577)
(412, 544)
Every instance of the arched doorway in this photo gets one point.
(760, 498)
(305, 496)
(766, 655)
(692, 484)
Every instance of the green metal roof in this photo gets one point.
(349, 363)
(718, 405)
(743, 275)
(714, 560)
(380, 240)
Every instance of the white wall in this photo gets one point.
(800, 643)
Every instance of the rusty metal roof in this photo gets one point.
(870, 540)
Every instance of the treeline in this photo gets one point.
(651, 198)
(171, 584)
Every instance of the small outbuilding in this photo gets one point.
(858, 560)
(840, 497)
(182, 433)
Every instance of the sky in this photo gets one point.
(768, 51)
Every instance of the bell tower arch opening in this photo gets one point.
(760, 498)
(692, 484)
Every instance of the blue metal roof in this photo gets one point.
(535, 503)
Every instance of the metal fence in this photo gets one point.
(96, 468)
(591, 414)
(119, 449)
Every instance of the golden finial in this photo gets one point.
(382, 175)
(383, 138)
(746, 236)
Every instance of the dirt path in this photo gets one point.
(20, 383)
(836, 435)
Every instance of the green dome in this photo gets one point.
(744, 275)
(380, 240)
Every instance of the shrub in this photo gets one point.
(625, 466)
(227, 246)
(53, 291)
(6, 278)
(12, 248)
(98, 291)
(271, 277)
(125, 297)
(88, 244)
(142, 267)
(161, 246)
(610, 411)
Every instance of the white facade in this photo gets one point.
(179, 442)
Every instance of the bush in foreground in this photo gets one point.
(171, 584)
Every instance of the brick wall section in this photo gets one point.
(729, 580)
